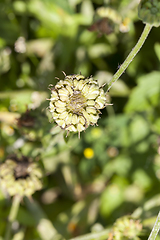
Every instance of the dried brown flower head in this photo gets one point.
(20, 176)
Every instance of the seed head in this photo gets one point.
(75, 102)
(26, 120)
(149, 12)
(20, 176)
(126, 228)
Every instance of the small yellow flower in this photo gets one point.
(75, 102)
(88, 153)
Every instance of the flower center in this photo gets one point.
(21, 170)
(77, 102)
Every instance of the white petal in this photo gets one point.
(60, 110)
(55, 115)
(93, 118)
(69, 119)
(74, 119)
(63, 115)
(80, 127)
(101, 102)
(69, 90)
(75, 82)
(71, 128)
(91, 110)
(60, 104)
(90, 102)
(81, 120)
(54, 95)
(85, 90)
(86, 116)
(61, 123)
(51, 106)
(59, 84)
(81, 84)
(92, 95)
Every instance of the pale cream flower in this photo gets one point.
(75, 102)
(20, 176)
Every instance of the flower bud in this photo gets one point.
(149, 12)
(126, 228)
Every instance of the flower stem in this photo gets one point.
(132, 54)
(12, 215)
(155, 229)
(93, 236)
(44, 227)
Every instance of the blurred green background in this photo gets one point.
(114, 168)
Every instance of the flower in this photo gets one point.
(88, 153)
(126, 228)
(75, 102)
(20, 176)
(26, 120)
(149, 12)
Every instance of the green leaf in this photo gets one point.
(111, 199)
(146, 94)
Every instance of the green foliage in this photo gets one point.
(113, 170)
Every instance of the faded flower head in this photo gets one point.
(20, 176)
(126, 228)
(26, 120)
(75, 102)
(149, 12)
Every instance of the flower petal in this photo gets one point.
(91, 110)
(60, 104)
(61, 123)
(80, 127)
(54, 95)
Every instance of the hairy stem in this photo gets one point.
(93, 236)
(132, 54)
(155, 229)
